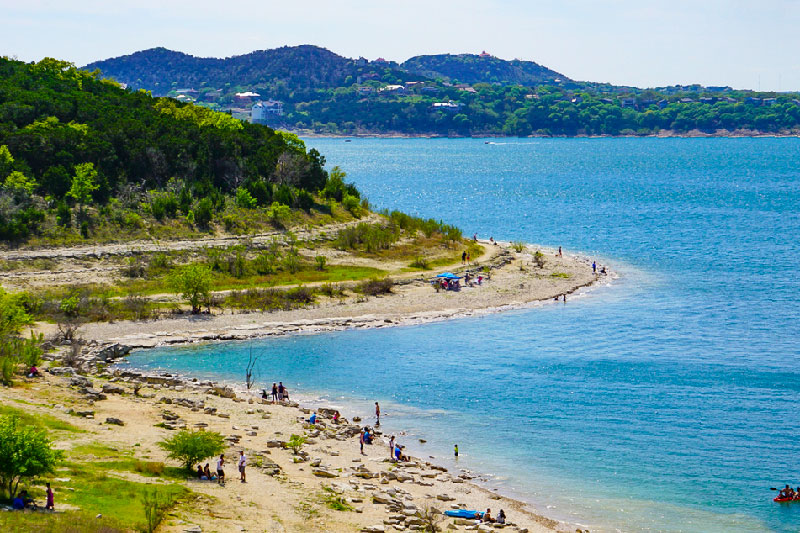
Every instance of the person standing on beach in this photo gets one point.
(377, 414)
(281, 390)
(594, 267)
(463, 256)
(455, 450)
(391, 447)
(50, 505)
(559, 252)
(467, 257)
(361, 442)
(220, 471)
(274, 392)
(242, 465)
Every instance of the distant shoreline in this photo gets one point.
(664, 134)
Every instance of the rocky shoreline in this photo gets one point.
(386, 496)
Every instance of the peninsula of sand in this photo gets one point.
(327, 484)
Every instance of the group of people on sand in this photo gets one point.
(487, 517)
(23, 500)
(788, 493)
(396, 451)
(279, 393)
(205, 474)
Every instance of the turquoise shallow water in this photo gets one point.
(665, 402)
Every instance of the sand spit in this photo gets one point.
(515, 282)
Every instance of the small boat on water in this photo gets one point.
(785, 500)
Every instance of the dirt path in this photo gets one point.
(99, 251)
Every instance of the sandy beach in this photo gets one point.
(285, 492)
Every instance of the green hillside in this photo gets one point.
(81, 151)
(484, 68)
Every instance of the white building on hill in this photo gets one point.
(266, 112)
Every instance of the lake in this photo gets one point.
(666, 401)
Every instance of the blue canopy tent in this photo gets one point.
(448, 275)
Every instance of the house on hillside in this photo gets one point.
(628, 102)
(450, 106)
(245, 97)
(188, 92)
(381, 61)
(484, 54)
(752, 100)
(361, 62)
(770, 101)
(393, 89)
(430, 90)
(267, 112)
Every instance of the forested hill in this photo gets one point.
(296, 67)
(310, 89)
(69, 138)
(483, 68)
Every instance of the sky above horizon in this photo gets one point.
(741, 43)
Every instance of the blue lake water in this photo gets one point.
(667, 401)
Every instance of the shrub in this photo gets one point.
(163, 204)
(321, 260)
(283, 195)
(304, 200)
(244, 199)
(134, 268)
(352, 204)
(420, 262)
(8, 365)
(261, 191)
(295, 443)
(63, 214)
(538, 258)
(279, 214)
(266, 262)
(25, 452)
(518, 246)
(375, 287)
(190, 447)
(204, 212)
(291, 261)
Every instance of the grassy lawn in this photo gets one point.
(38, 420)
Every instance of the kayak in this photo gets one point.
(463, 513)
(785, 500)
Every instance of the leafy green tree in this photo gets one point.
(25, 452)
(193, 282)
(84, 183)
(190, 447)
(18, 184)
(12, 314)
(6, 161)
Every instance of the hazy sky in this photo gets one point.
(741, 43)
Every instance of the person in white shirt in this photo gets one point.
(220, 471)
(242, 465)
